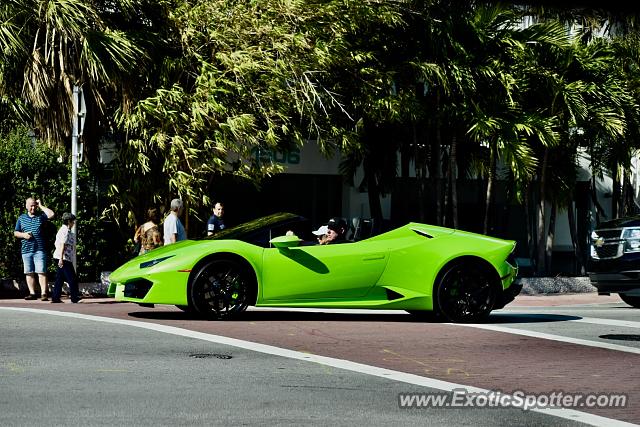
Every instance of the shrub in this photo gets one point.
(29, 168)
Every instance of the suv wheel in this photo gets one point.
(632, 301)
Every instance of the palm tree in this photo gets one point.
(49, 46)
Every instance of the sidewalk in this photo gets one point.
(12, 289)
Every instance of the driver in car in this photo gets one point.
(336, 231)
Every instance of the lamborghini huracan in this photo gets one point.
(426, 270)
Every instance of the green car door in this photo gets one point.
(322, 272)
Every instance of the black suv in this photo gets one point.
(615, 259)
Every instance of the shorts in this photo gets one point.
(35, 262)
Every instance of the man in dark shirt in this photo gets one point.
(34, 257)
(216, 223)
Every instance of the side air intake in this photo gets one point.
(137, 288)
(393, 295)
(422, 233)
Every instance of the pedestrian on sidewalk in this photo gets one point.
(29, 229)
(216, 222)
(173, 229)
(64, 257)
(148, 234)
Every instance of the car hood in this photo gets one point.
(160, 252)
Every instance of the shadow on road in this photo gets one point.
(498, 318)
(301, 316)
(621, 337)
(277, 316)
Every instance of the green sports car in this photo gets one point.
(423, 269)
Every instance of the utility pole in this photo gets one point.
(79, 114)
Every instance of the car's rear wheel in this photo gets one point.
(465, 293)
(631, 300)
(220, 289)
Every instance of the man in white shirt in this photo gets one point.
(173, 228)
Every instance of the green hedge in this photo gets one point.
(31, 169)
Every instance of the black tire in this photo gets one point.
(465, 293)
(220, 289)
(631, 300)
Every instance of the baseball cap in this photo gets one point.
(321, 231)
(337, 224)
(67, 216)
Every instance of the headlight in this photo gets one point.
(631, 238)
(154, 262)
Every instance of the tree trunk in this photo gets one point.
(540, 270)
(489, 194)
(615, 191)
(373, 193)
(627, 194)
(438, 166)
(446, 181)
(453, 173)
(550, 237)
(530, 216)
(421, 177)
(577, 250)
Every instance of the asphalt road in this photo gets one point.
(106, 363)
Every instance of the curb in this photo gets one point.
(530, 286)
(555, 285)
(11, 289)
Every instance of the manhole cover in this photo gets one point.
(621, 337)
(210, 356)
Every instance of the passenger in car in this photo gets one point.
(321, 234)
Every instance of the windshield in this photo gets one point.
(260, 230)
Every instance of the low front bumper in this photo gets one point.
(625, 281)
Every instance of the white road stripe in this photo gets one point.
(590, 320)
(570, 414)
(495, 328)
(551, 337)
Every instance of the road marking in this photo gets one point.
(569, 414)
(551, 337)
(561, 338)
(505, 329)
(591, 320)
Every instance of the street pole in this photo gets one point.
(74, 153)
(79, 112)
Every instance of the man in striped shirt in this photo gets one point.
(29, 230)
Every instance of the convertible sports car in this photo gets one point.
(423, 269)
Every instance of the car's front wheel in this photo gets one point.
(466, 292)
(631, 300)
(220, 289)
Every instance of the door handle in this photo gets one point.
(373, 258)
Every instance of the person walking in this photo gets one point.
(64, 256)
(216, 223)
(29, 229)
(173, 229)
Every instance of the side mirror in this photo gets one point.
(282, 242)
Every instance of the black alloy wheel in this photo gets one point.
(465, 293)
(633, 301)
(220, 289)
